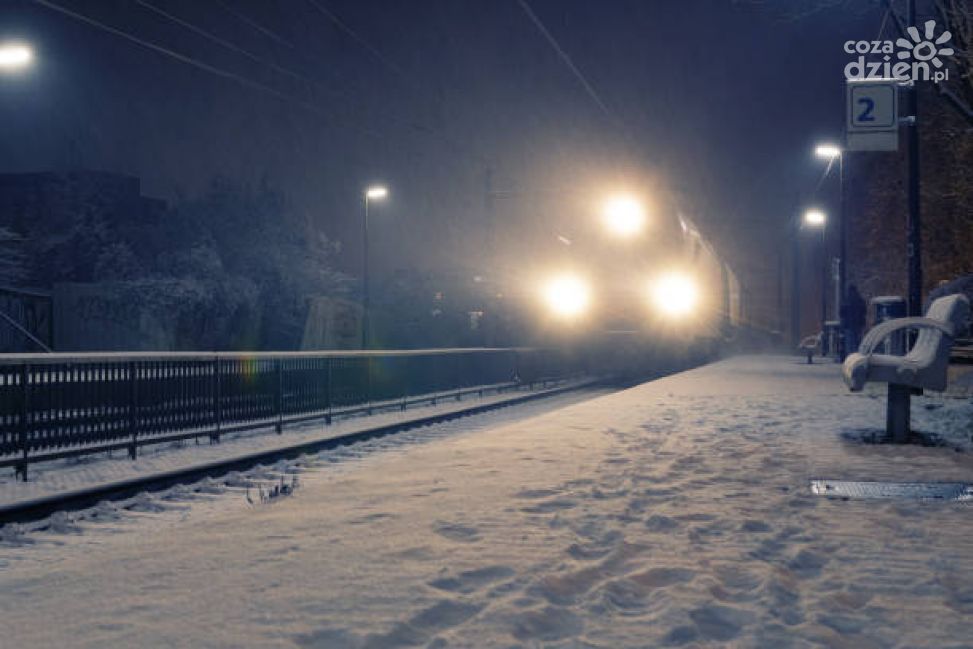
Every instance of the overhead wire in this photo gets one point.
(563, 55)
(334, 18)
(255, 25)
(237, 49)
(183, 58)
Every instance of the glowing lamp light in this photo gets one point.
(15, 56)
(827, 151)
(567, 296)
(675, 295)
(376, 192)
(624, 216)
(815, 218)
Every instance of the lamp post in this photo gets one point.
(815, 219)
(373, 193)
(829, 152)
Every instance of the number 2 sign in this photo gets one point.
(872, 116)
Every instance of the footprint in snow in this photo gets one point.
(546, 507)
(472, 580)
(548, 624)
(421, 627)
(661, 524)
(456, 532)
(720, 622)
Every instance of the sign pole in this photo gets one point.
(840, 315)
(914, 252)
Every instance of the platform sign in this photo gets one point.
(872, 116)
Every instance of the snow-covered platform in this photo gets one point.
(675, 513)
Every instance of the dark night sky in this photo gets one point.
(723, 99)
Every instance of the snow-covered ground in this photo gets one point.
(675, 513)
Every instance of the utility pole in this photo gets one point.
(914, 252)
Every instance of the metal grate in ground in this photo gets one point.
(893, 490)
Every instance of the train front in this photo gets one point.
(638, 291)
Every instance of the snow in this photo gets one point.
(674, 513)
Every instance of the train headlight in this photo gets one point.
(567, 296)
(624, 216)
(675, 295)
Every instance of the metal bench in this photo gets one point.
(923, 367)
(810, 345)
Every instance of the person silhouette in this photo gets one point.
(853, 312)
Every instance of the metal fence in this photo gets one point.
(60, 405)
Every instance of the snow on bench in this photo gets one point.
(923, 367)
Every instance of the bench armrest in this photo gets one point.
(883, 330)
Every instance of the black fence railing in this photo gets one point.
(59, 405)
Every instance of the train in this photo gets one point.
(631, 288)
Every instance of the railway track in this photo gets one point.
(43, 507)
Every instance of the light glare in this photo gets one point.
(14, 56)
(567, 296)
(624, 216)
(675, 294)
(377, 192)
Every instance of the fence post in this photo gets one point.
(133, 417)
(458, 362)
(327, 418)
(407, 362)
(280, 396)
(368, 383)
(481, 375)
(21, 468)
(516, 377)
(214, 437)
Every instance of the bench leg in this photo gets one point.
(898, 413)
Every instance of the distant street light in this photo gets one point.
(827, 151)
(624, 216)
(830, 152)
(373, 193)
(815, 218)
(377, 192)
(15, 56)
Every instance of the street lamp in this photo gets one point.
(827, 151)
(624, 216)
(15, 57)
(816, 219)
(830, 152)
(373, 193)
